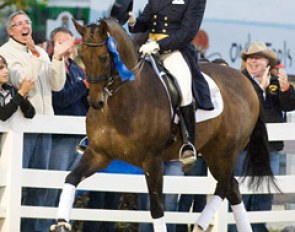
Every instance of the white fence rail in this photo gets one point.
(13, 178)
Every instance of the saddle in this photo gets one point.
(168, 81)
(174, 95)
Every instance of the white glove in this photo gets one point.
(149, 47)
(131, 19)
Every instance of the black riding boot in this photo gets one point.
(188, 152)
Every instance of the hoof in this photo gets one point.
(61, 227)
(198, 229)
(188, 159)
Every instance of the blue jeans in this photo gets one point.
(64, 158)
(257, 202)
(36, 154)
(101, 200)
(186, 201)
(171, 168)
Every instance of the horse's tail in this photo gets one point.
(257, 162)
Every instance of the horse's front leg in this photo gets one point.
(154, 179)
(88, 165)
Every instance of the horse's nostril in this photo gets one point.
(97, 105)
(100, 105)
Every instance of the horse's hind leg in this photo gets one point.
(212, 206)
(226, 188)
(154, 179)
(208, 213)
(238, 208)
(88, 165)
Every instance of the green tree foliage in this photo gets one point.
(20, 4)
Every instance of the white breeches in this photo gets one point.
(178, 67)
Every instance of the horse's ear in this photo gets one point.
(104, 27)
(81, 29)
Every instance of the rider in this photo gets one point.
(172, 26)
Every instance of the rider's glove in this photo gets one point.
(149, 47)
(131, 19)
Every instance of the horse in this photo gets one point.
(131, 121)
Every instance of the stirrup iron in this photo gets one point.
(187, 156)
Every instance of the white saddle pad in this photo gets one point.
(203, 115)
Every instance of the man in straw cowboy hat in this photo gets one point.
(277, 96)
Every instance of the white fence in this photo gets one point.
(13, 178)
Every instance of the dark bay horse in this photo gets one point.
(131, 121)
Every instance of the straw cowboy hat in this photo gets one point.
(260, 48)
(120, 10)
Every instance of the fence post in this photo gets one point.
(11, 166)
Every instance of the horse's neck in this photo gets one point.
(144, 94)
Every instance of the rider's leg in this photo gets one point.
(177, 66)
(188, 156)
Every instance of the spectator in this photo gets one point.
(40, 39)
(10, 98)
(71, 100)
(276, 69)
(27, 60)
(275, 101)
(75, 55)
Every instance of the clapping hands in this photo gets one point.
(283, 79)
(62, 46)
(265, 79)
(26, 86)
(31, 45)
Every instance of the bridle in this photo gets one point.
(96, 80)
(109, 79)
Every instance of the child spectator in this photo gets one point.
(11, 98)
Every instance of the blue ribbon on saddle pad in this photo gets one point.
(123, 71)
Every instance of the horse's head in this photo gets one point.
(98, 59)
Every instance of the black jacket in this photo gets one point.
(275, 104)
(180, 22)
(7, 110)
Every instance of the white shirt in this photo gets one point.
(49, 76)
